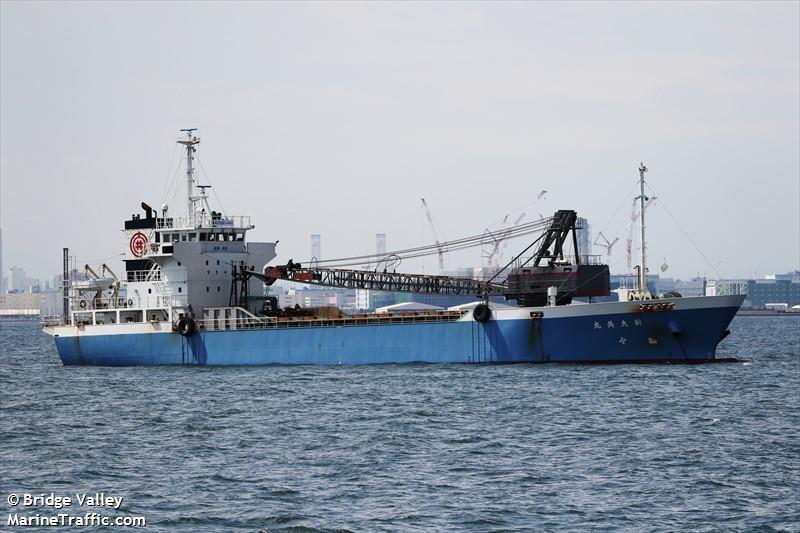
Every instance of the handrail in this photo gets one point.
(154, 274)
(52, 320)
(223, 324)
(104, 304)
(204, 221)
(591, 259)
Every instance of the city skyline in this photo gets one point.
(335, 119)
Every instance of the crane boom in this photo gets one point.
(527, 283)
(378, 281)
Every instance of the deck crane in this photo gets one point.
(527, 282)
(435, 235)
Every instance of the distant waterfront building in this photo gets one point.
(316, 246)
(367, 300)
(17, 280)
(34, 285)
(584, 235)
(691, 287)
(629, 281)
(761, 292)
(380, 244)
(315, 297)
(29, 305)
(726, 287)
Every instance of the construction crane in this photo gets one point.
(494, 239)
(435, 235)
(608, 244)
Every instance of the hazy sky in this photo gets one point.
(335, 118)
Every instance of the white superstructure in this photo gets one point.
(175, 267)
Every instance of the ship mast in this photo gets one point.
(642, 199)
(189, 142)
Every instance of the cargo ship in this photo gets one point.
(194, 293)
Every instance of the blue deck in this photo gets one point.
(628, 337)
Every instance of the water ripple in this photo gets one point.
(416, 447)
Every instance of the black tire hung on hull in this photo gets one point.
(186, 327)
(481, 313)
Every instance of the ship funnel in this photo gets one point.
(147, 210)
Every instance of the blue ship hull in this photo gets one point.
(680, 335)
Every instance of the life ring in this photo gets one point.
(130, 302)
(83, 304)
(481, 313)
(186, 327)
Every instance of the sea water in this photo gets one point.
(409, 447)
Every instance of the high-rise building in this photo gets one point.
(584, 234)
(316, 246)
(380, 244)
(17, 280)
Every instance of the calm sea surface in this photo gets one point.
(415, 447)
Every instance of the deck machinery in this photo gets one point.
(527, 282)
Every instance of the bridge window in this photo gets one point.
(184, 237)
(192, 237)
(180, 289)
(240, 236)
(204, 236)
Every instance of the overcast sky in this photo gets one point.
(335, 118)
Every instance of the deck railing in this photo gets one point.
(222, 324)
(52, 320)
(153, 302)
(144, 275)
(585, 260)
(204, 221)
